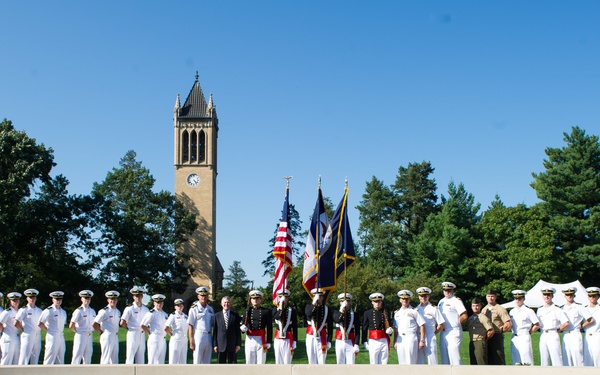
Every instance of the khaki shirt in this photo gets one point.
(498, 315)
(478, 326)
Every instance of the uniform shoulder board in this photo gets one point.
(49, 307)
(458, 298)
(106, 308)
(173, 314)
(80, 307)
(577, 303)
(152, 310)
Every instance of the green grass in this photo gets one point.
(300, 353)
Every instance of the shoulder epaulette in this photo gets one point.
(106, 308)
(458, 298)
(80, 307)
(152, 310)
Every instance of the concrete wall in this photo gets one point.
(242, 369)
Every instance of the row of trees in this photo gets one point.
(122, 233)
(408, 237)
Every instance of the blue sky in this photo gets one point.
(314, 88)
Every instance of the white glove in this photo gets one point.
(315, 299)
(389, 331)
(344, 306)
(281, 301)
(328, 345)
(268, 346)
(356, 348)
(366, 345)
(294, 345)
(243, 328)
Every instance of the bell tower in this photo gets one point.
(196, 127)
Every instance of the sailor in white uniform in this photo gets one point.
(455, 314)
(27, 321)
(53, 321)
(434, 323)
(591, 341)
(10, 343)
(81, 324)
(410, 330)
(200, 324)
(107, 325)
(552, 321)
(579, 318)
(176, 327)
(524, 322)
(153, 323)
(131, 320)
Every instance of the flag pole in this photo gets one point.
(317, 250)
(285, 265)
(345, 229)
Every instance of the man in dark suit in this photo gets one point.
(227, 337)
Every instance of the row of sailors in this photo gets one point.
(414, 329)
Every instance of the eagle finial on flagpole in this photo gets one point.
(287, 180)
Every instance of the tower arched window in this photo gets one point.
(185, 144)
(193, 147)
(201, 146)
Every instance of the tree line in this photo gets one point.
(409, 236)
(123, 233)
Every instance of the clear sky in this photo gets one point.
(304, 88)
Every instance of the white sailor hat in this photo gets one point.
(447, 285)
(14, 295)
(423, 291)
(57, 294)
(202, 291)
(376, 296)
(569, 291)
(136, 290)
(344, 296)
(255, 294)
(593, 291)
(112, 294)
(158, 297)
(31, 293)
(86, 293)
(283, 292)
(178, 301)
(404, 293)
(317, 291)
(548, 290)
(518, 293)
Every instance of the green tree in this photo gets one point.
(138, 231)
(40, 224)
(415, 194)
(237, 287)
(446, 246)
(517, 249)
(379, 233)
(570, 192)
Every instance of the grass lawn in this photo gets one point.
(300, 353)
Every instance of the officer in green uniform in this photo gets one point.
(480, 331)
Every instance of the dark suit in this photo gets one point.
(226, 340)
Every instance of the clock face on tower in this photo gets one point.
(193, 180)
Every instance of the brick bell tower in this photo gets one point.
(196, 128)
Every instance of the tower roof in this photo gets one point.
(195, 105)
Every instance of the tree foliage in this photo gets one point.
(237, 287)
(40, 223)
(138, 231)
(570, 192)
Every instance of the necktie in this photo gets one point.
(226, 316)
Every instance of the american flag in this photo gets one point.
(282, 251)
